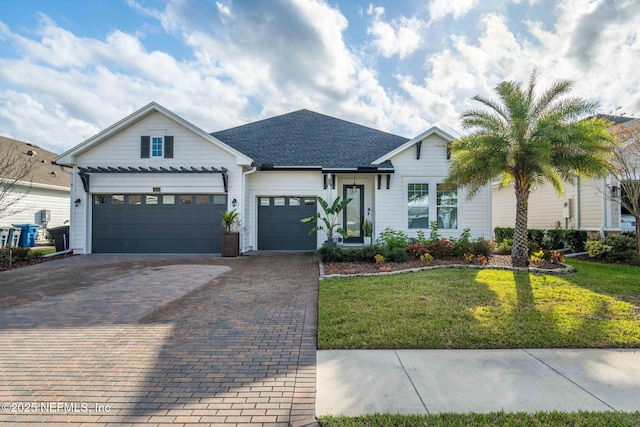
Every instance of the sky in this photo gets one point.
(69, 69)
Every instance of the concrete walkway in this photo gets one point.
(358, 382)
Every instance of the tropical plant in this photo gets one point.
(524, 139)
(330, 219)
(367, 228)
(229, 219)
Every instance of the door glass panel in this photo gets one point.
(117, 199)
(168, 199)
(353, 213)
(219, 199)
(151, 199)
(278, 201)
(294, 201)
(202, 200)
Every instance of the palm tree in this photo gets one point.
(525, 140)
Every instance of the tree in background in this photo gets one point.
(524, 139)
(625, 167)
(16, 173)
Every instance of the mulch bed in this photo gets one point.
(32, 261)
(346, 268)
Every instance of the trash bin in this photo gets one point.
(28, 234)
(4, 237)
(60, 236)
(14, 237)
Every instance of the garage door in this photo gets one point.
(157, 223)
(279, 226)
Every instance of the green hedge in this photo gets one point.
(548, 239)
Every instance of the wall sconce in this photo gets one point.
(77, 202)
(234, 202)
(614, 191)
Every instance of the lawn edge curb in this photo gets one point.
(567, 269)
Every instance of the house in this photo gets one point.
(43, 186)
(153, 182)
(587, 204)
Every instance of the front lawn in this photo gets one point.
(598, 306)
(539, 419)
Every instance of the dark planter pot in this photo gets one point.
(230, 244)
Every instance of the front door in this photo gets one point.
(353, 214)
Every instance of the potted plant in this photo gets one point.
(231, 237)
(330, 218)
(367, 231)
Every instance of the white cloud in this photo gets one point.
(400, 37)
(439, 9)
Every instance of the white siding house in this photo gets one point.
(131, 198)
(46, 188)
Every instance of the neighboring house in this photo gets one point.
(46, 188)
(153, 182)
(586, 204)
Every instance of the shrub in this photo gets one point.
(504, 247)
(532, 247)
(379, 258)
(557, 257)
(434, 235)
(17, 254)
(483, 260)
(441, 248)
(537, 257)
(483, 247)
(397, 255)
(575, 239)
(469, 258)
(536, 236)
(554, 239)
(622, 247)
(461, 248)
(330, 253)
(503, 233)
(596, 249)
(426, 259)
(416, 249)
(393, 239)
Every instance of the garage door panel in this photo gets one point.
(279, 226)
(157, 227)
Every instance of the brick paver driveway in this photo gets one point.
(160, 339)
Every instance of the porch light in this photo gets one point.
(353, 188)
(77, 202)
(234, 202)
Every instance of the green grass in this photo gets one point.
(539, 419)
(596, 307)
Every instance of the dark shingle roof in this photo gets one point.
(618, 120)
(305, 138)
(44, 171)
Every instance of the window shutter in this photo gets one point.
(145, 142)
(168, 147)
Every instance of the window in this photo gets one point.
(202, 200)
(219, 199)
(117, 199)
(265, 201)
(156, 146)
(418, 205)
(168, 199)
(294, 201)
(100, 199)
(151, 199)
(447, 208)
(278, 201)
(135, 199)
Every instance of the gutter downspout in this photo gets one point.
(72, 207)
(242, 201)
(604, 208)
(576, 208)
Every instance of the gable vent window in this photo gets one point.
(156, 147)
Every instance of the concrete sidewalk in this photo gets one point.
(358, 382)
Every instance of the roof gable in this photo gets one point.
(306, 139)
(69, 157)
(434, 130)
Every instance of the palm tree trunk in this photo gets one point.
(520, 250)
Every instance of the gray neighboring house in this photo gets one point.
(153, 182)
(47, 188)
